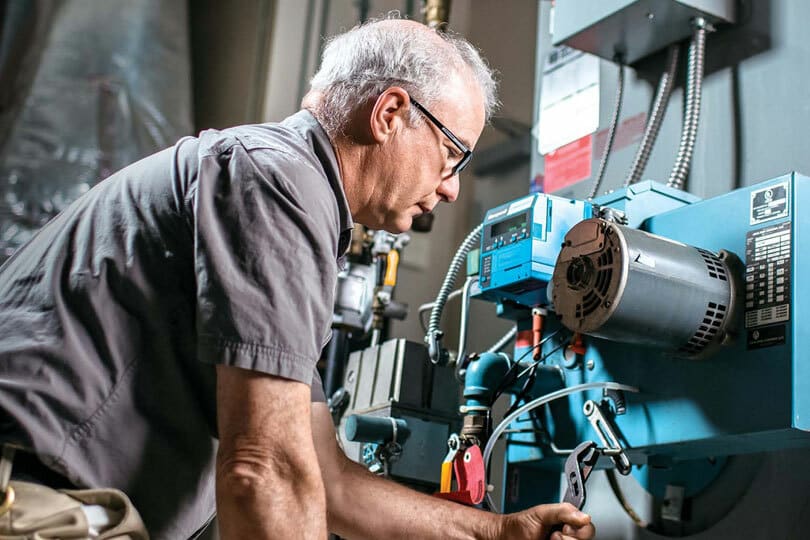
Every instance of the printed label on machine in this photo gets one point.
(766, 336)
(569, 100)
(767, 284)
(769, 203)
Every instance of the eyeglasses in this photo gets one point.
(466, 152)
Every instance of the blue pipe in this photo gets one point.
(483, 376)
(486, 372)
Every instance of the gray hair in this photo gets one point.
(362, 63)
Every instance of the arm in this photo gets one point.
(361, 505)
(268, 483)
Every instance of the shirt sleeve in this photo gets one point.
(265, 247)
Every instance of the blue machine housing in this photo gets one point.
(520, 242)
(750, 396)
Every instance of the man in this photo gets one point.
(185, 299)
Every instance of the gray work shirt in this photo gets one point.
(221, 249)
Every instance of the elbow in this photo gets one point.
(255, 475)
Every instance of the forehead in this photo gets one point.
(461, 109)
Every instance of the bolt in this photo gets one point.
(650, 16)
(608, 303)
(589, 364)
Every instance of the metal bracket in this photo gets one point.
(607, 435)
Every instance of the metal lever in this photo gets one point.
(604, 430)
(468, 466)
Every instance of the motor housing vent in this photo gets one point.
(627, 285)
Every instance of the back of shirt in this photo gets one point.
(221, 249)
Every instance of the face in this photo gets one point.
(418, 161)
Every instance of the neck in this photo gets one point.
(357, 174)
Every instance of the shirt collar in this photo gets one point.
(311, 130)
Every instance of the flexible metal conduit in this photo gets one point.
(539, 402)
(659, 108)
(433, 333)
(614, 122)
(691, 117)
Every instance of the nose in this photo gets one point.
(448, 188)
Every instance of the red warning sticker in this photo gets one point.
(568, 164)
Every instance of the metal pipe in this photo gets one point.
(483, 376)
(437, 13)
(504, 341)
(462, 334)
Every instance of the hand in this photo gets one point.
(539, 522)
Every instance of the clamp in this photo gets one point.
(578, 467)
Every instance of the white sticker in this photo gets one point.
(569, 99)
(769, 203)
(522, 204)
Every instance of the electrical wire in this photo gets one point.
(659, 108)
(429, 305)
(524, 391)
(614, 122)
(625, 504)
(539, 402)
(529, 382)
(511, 374)
(433, 335)
(691, 117)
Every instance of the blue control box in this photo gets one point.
(520, 241)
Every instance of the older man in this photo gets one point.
(160, 335)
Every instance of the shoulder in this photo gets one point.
(270, 160)
(271, 144)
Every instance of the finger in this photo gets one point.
(564, 513)
(581, 533)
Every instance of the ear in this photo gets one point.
(388, 113)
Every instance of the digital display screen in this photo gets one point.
(508, 225)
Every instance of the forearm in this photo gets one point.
(363, 506)
(268, 476)
(255, 502)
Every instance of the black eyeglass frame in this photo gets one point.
(467, 153)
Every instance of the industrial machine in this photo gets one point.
(657, 334)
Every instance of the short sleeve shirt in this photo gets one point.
(222, 249)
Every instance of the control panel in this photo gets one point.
(520, 242)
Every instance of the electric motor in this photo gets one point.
(627, 285)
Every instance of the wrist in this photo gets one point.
(491, 527)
